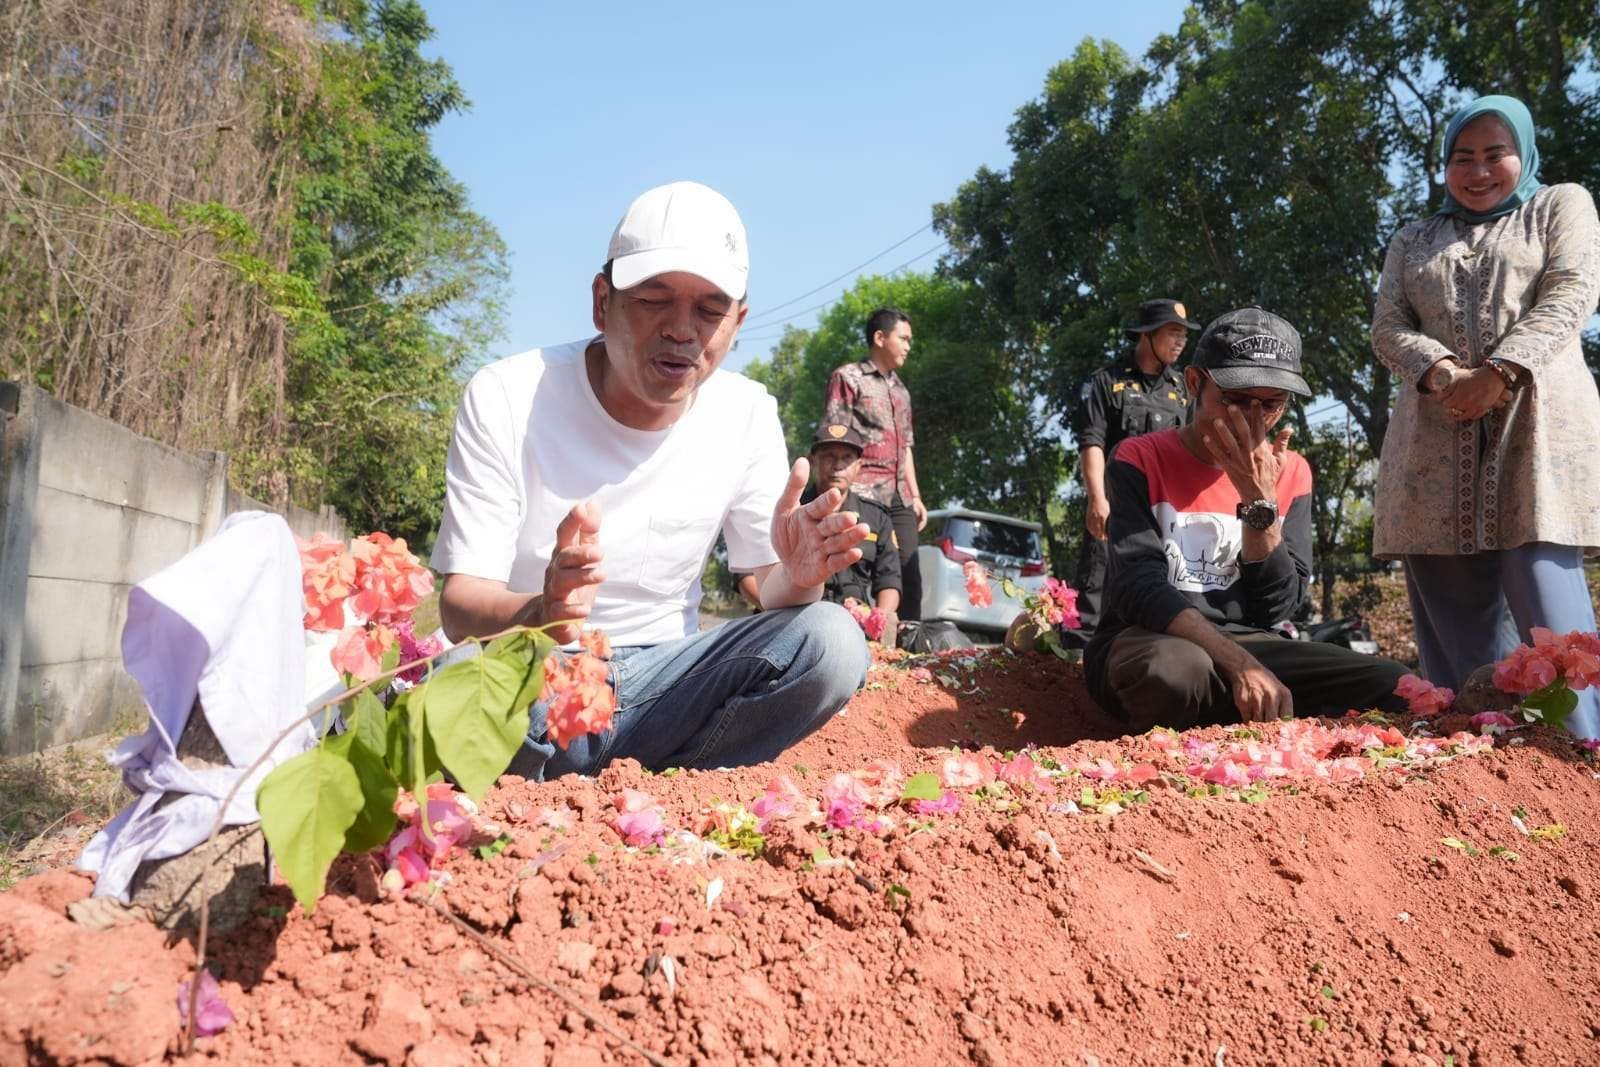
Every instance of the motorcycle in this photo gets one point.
(1350, 632)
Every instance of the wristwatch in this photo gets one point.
(1258, 514)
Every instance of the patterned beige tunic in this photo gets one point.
(1519, 287)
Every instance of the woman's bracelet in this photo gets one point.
(1507, 376)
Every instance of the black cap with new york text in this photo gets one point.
(1251, 348)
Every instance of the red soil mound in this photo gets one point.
(1328, 923)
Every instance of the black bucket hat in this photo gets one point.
(1251, 348)
(1154, 314)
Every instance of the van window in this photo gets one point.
(995, 538)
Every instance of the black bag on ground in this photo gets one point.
(931, 637)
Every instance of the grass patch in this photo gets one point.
(52, 802)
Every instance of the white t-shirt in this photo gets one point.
(531, 440)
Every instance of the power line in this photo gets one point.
(757, 336)
(812, 292)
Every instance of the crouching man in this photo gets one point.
(874, 579)
(1210, 546)
(589, 480)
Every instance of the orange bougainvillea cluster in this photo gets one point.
(578, 697)
(366, 590)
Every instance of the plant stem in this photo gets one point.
(523, 970)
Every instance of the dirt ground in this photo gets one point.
(1437, 910)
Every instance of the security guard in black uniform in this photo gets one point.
(874, 579)
(1139, 393)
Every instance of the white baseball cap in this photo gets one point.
(682, 226)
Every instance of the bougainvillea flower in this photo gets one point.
(390, 581)
(844, 801)
(1229, 773)
(359, 651)
(596, 643)
(1493, 721)
(920, 674)
(579, 698)
(327, 577)
(1021, 771)
(782, 800)
(1164, 741)
(639, 819)
(948, 803)
(211, 1012)
(870, 619)
(406, 856)
(1425, 699)
(558, 819)
(412, 649)
(966, 771)
(978, 592)
(412, 854)
(883, 780)
(1103, 770)
(1058, 604)
(1528, 669)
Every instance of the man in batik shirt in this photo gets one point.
(870, 398)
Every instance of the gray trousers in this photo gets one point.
(1472, 610)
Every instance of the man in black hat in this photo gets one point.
(1210, 546)
(1136, 394)
(874, 579)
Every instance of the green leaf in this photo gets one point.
(1329, 992)
(307, 806)
(390, 659)
(528, 649)
(1554, 703)
(923, 786)
(1318, 1023)
(1459, 845)
(493, 848)
(478, 710)
(364, 746)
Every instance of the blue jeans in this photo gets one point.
(1472, 610)
(738, 694)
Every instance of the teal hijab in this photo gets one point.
(1514, 113)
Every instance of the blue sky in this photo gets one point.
(832, 127)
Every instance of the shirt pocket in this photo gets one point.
(676, 544)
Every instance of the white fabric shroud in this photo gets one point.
(224, 624)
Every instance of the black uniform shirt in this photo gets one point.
(879, 566)
(1119, 401)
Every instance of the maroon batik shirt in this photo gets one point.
(878, 406)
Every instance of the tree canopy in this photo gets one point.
(222, 224)
(1262, 153)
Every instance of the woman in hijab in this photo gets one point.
(1489, 482)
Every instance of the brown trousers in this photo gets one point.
(1159, 680)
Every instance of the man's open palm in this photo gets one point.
(814, 541)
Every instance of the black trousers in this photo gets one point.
(905, 531)
(1155, 679)
(1090, 580)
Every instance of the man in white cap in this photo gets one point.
(588, 481)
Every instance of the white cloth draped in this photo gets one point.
(222, 624)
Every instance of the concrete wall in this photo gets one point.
(88, 510)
